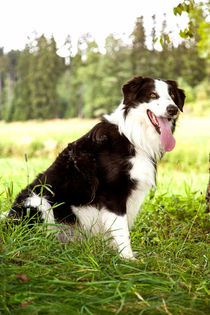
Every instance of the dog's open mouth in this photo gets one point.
(162, 126)
(153, 120)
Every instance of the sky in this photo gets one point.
(20, 19)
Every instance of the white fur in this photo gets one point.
(143, 172)
(158, 106)
(107, 223)
(137, 127)
(3, 215)
(43, 206)
(117, 226)
(88, 218)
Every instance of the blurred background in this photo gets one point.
(64, 59)
(62, 66)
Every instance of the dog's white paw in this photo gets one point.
(128, 255)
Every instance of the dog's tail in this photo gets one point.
(31, 209)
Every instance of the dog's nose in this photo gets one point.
(171, 110)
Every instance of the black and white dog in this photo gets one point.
(100, 181)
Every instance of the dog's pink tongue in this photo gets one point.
(166, 136)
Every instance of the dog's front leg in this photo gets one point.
(116, 226)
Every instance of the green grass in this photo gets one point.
(39, 275)
(47, 138)
(40, 138)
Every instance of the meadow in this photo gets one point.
(38, 275)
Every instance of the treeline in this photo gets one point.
(37, 83)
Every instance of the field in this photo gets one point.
(38, 275)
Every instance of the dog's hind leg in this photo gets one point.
(43, 206)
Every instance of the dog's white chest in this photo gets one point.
(142, 171)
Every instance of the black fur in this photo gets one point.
(93, 170)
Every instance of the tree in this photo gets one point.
(165, 59)
(92, 77)
(8, 76)
(45, 70)
(116, 68)
(197, 39)
(153, 32)
(38, 71)
(197, 25)
(21, 108)
(139, 49)
(64, 84)
(74, 99)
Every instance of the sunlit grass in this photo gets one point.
(40, 138)
(48, 138)
(39, 275)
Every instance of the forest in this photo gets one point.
(37, 83)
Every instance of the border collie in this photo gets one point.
(99, 181)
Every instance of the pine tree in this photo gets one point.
(64, 84)
(45, 70)
(153, 32)
(139, 49)
(116, 70)
(21, 102)
(76, 97)
(165, 58)
(7, 73)
(92, 77)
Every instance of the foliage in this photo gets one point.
(46, 67)
(38, 69)
(198, 26)
(37, 83)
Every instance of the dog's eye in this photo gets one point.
(153, 95)
(172, 96)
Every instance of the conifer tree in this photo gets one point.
(76, 97)
(20, 108)
(64, 84)
(165, 62)
(8, 64)
(45, 70)
(116, 69)
(138, 50)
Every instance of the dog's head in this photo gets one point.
(159, 101)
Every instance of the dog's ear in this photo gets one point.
(131, 88)
(180, 95)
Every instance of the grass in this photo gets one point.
(47, 138)
(38, 275)
(42, 139)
